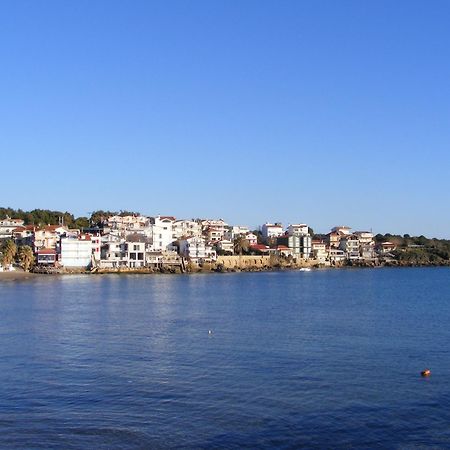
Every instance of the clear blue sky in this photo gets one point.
(325, 112)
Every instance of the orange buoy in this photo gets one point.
(425, 373)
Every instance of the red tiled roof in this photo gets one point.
(53, 227)
(259, 246)
(46, 251)
(23, 228)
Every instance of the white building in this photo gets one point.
(135, 254)
(337, 255)
(96, 245)
(76, 252)
(343, 230)
(270, 230)
(350, 245)
(225, 246)
(8, 225)
(251, 238)
(188, 228)
(162, 233)
(48, 237)
(364, 237)
(127, 223)
(24, 235)
(386, 247)
(237, 230)
(319, 251)
(299, 230)
(113, 253)
(218, 224)
(196, 249)
(214, 234)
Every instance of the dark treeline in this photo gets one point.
(41, 217)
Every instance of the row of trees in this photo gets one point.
(10, 253)
(41, 217)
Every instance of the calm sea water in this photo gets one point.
(323, 359)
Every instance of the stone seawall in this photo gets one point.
(243, 262)
(247, 262)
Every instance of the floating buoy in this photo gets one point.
(209, 331)
(425, 373)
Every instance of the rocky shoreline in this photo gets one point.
(18, 275)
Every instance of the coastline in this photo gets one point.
(19, 275)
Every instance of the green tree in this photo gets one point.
(81, 222)
(240, 244)
(9, 250)
(26, 257)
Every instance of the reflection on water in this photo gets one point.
(295, 359)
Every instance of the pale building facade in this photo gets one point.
(299, 229)
(7, 227)
(76, 251)
(187, 228)
(270, 230)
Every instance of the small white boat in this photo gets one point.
(305, 269)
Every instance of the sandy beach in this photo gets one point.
(16, 275)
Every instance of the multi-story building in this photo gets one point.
(218, 224)
(225, 246)
(337, 255)
(234, 231)
(193, 248)
(196, 250)
(113, 253)
(350, 245)
(127, 223)
(301, 245)
(364, 237)
(319, 250)
(76, 251)
(48, 237)
(96, 241)
(251, 238)
(24, 235)
(213, 234)
(336, 234)
(343, 230)
(299, 229)
(135, 254)
(270, 230)
(8, 225)
(185, 228)
(162, 233)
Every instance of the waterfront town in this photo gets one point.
(135, 242)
